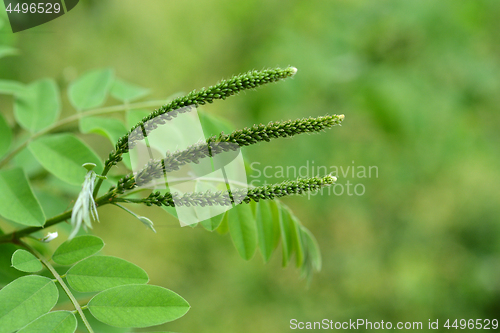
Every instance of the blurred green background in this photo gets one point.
(419, 84)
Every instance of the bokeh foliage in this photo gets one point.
(418, 82)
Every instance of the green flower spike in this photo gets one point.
(217, 144)
(221, 198)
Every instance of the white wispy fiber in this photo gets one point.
(85, 207)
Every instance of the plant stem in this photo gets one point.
(13, 236)
(107, 167)
(77, 116)
(61, 282)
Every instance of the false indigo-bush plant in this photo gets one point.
(123, 297)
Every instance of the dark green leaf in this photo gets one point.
(52, 322)
(63, 155)
(77, 249)
(91, 89)
(8, 273)
(137, 306)
(243, 230)
(38, 106)
(127, 92)
(18, 202)
(24, 300)
(26, 262)
(103, 272)
(5, 136)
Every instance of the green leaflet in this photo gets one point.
(267, 218)
(312, 248)
(24, 300)
(297, 241)
(312, 256)
(25, 159)
(52, 322)
(103, 272)
(11, 87)
(243, 230)
(224, 225)
(98, 326)
(51, 203)
(91, 89)
(77, 249)
(286, 236)
(63, 156)
(18, 201)
(213, 223)
(38, 106)
(111, 128)
(211, 216)
(26, 262)
(5, 136)
(127, 92)
(7, 51)
(133, 117)
(137, 306)
(213, 125)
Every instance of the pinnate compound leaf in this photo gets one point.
(103, 272)
(127, 92)
(111, 128)
(63, 155)
(9, 87)
(26, 262)
(91, 89)
(52, 322)
(18, 203)
(25, 299)
(137, 306)
(243, 230)
(77, 249)
(38, 106)
(5, 136)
